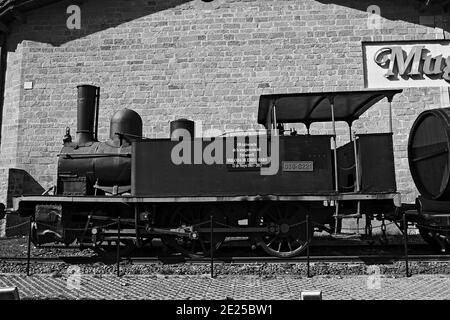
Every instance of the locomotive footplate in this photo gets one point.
(18, 202)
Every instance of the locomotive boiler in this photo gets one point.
(193, 194)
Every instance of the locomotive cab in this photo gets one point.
(366, 162)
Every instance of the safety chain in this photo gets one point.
(17, 225)
(223, 224)
(433, 228)
(382, 226)
(80, 229)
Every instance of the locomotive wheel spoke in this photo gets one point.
(289, 230)
(295, 225)
(190, 216)
(289, 245)
(271, 241)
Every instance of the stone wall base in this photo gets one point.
(14, 183)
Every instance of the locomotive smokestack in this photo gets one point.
(87, 113)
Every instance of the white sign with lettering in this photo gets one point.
(407, 64)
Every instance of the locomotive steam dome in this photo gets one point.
(184, 124)
(126, 122)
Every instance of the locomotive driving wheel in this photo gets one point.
(189, 218)
(287, 229)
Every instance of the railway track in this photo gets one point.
(265, 259)
(234, 260)
(319, 253)
(238, 252)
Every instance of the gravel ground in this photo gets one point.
(257, 269)
(17, 247)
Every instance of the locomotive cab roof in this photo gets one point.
(316, 106)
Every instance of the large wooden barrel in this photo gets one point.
(428, 153)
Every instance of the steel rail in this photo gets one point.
(234, 259)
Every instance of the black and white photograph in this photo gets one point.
(219, 158)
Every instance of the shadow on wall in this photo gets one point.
(49, 24)
(434, 13)
(20, 183)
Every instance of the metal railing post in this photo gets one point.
(390, 114)
(136, 225)
(336, 172)
(211, 246)
(405, 237)
(118, 247)
(307, 247)
(30, 229)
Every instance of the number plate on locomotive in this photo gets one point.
(298, 166)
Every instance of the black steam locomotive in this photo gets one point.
(193, 193)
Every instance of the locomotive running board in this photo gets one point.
(128, 199)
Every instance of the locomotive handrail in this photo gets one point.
(237, 131)
(93, 155)
(131, 135)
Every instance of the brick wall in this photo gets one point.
(209, 62)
